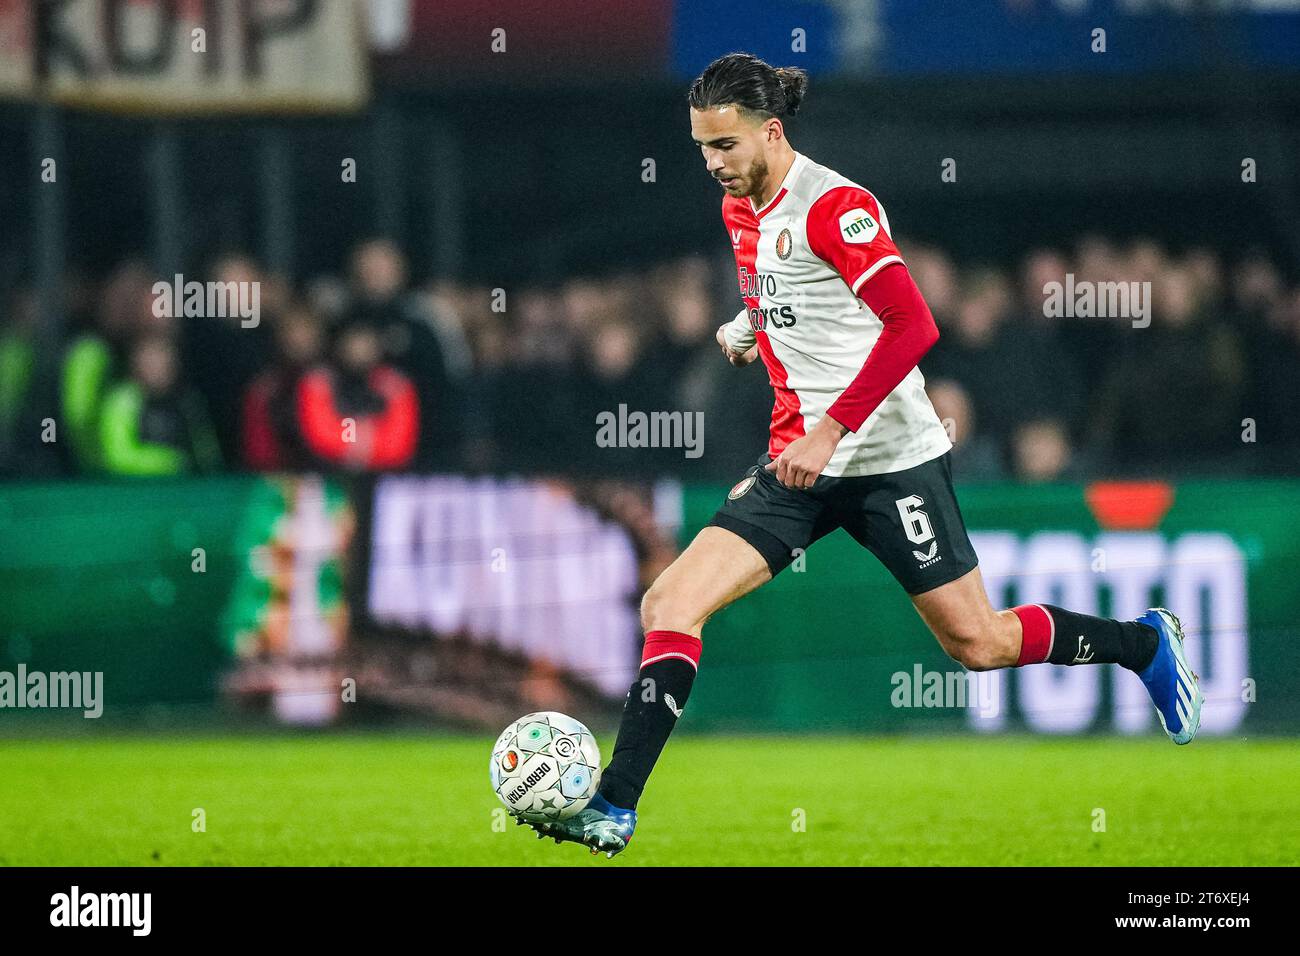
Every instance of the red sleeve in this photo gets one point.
(397, 426)
(847, 229)
(321, 425)
(261, 447)
(908, 334)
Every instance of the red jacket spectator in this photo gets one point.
(271, 433)
(366, 424)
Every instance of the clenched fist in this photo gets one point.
(735, 358)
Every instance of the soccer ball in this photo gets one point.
(545, 766)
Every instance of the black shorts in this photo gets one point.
(908, 519)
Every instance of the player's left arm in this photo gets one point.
(846, 229)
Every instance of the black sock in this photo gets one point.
(1082, 639)
(654, 702)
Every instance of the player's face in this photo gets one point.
(734, 148)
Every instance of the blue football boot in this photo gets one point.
(1173, 687)
(599, 825)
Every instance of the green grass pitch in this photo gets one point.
(386, 799)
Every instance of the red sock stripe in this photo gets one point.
(1038, 631)
(660, 645)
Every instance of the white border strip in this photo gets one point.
(664, 656)
(880, 264)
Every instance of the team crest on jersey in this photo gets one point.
(857, 225)
(783, 244)
(740, 487)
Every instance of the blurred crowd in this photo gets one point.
(1209, 386)
(368, 371)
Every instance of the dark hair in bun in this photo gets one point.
(746, 81)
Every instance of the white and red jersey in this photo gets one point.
(801, 261)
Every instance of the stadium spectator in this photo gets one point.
(1041, 451)
(272, 438)
(358, 413)
(417, 339)
(1268, 315)
(975, 456)
(1095, 341)
(612, 375)
(687, 323)
(1041, 361)
(151, 424)
(1151, 412)
(94, 358)
(223, 354)
(975, 350)
(937, 279)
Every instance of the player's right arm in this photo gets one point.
(737, 340)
